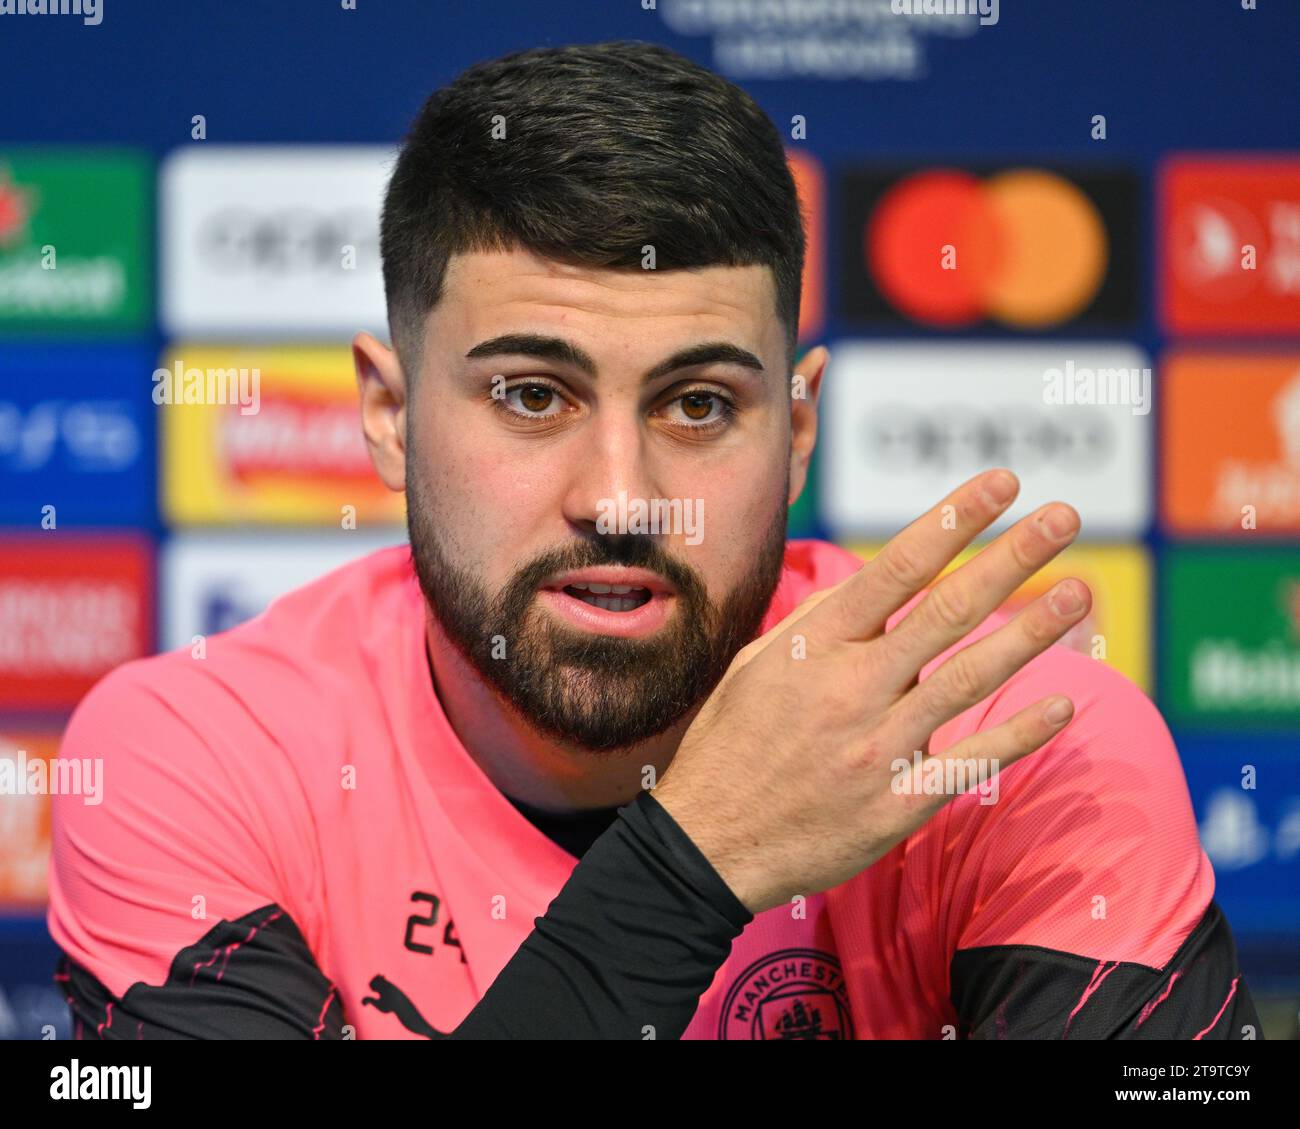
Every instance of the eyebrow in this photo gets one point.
(566, 353)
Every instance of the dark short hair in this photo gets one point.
(608, 147)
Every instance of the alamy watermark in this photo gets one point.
(62, 776)
(1107, 386)
(683, 516)
(90, 11)
(101, 1083)
(945, 776)
(180, 385)
(987, 10)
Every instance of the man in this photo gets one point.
(346, 818)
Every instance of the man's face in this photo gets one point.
(597, 528)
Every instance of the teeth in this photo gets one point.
(603, 589)
(611, 603)
(616, 601)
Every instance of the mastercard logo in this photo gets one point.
(948, 248)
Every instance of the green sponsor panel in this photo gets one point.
(75, 241)
(803, 514)
(1232, 637)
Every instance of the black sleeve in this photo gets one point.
(1024, 992)
(253, 978)
(623, 952)
(626, 948)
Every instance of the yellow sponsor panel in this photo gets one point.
(266, 434)
(1118, 628)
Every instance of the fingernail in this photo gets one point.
(1059, 522)
(1065, 599)
(1058, 711)
(1000, 487)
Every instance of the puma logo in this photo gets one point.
(391, 999)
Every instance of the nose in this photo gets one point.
(612, 459)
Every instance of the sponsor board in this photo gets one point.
(1230, 443)
(1247, 800)
(213, 582)
(72, 607)
(957, 246)
(1231, 637)
(75, 244)
(1229, 254)
(272, 240)
(904, 423)
(291, 453)
(24, 819)
(1117, 630)
(803, 512)
(77, 434)
(810, 184)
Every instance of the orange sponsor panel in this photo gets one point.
(1231, 443)
(810, 185)
(27, 778)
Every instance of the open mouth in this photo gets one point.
(609, 597)
(610, 600)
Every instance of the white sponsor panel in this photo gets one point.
(266, 239)
(213, 582)
(903, 423)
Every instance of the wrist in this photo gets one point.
(708, 836)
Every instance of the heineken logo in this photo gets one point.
(1232, 636)
(74, 235)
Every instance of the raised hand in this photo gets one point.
(784, 778)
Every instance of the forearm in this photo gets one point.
(626, 948)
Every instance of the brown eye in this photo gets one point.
(697, 405)
(536, 397)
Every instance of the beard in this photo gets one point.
(592, 692)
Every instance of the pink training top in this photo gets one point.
(304, 767)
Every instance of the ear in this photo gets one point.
(382, 386)
(805, 387)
